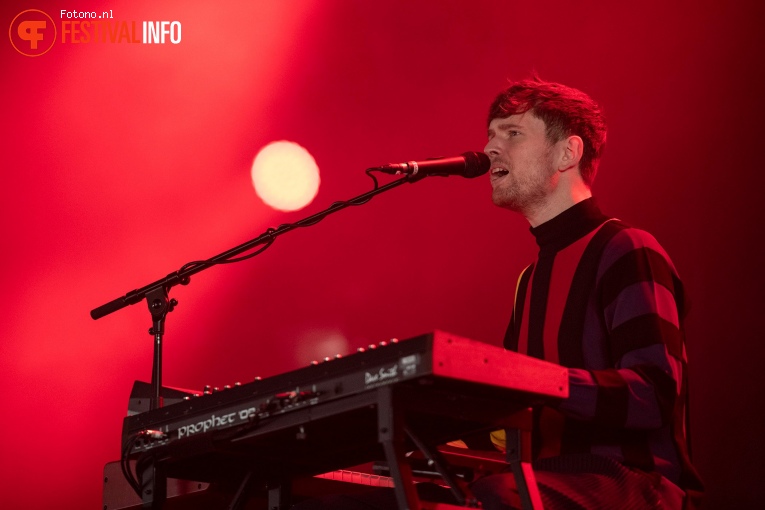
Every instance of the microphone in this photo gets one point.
(469, 164)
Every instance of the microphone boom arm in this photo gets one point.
(182, 276)
(156, 293)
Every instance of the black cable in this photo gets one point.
(271, 231)
(196, 263)
(125, 463)
(125, 457)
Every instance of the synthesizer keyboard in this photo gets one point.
(377, 404)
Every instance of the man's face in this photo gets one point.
(522, 169)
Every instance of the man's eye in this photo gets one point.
(514, 133)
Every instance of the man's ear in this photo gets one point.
(572, 148)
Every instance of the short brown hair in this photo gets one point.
(565, 111)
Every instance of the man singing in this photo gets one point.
(602, 299)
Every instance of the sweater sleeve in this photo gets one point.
(640, 300)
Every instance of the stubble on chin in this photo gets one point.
(523, 197)
(505, 199)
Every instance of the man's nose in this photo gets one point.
(491, 149)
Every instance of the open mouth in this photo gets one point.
(499, 172)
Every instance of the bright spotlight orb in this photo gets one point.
(285, 176)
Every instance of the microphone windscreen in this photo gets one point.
(476, 163)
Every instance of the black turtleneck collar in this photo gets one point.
(570, 225)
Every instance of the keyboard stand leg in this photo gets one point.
(279, 495)
(240, 497)
(153, 486)
(519, 457)
(438, 461)
(391, 435)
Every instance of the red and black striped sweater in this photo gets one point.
(605, 300)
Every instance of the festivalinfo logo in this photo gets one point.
(34, 32)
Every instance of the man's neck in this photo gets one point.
(556, 204)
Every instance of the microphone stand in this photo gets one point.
(156, 293)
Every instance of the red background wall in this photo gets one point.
(121, 162)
